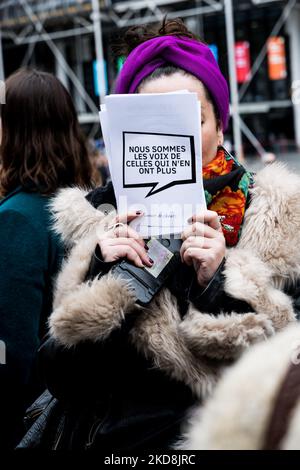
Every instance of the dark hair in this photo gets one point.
(137, 35)
(42, 145)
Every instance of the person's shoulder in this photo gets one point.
(276, 181)
(272, 218)
(28, 206)
(23, 201)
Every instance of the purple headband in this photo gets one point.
(188, 54)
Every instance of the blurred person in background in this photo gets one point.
(42, 149)
(99, 162)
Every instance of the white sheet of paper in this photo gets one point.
(154, 146)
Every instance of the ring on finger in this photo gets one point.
(115, 226)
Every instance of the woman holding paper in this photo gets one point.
(139, 370)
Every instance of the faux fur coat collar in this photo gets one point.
(192, 349)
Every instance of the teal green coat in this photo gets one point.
(30, 256)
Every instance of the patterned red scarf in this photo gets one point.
(226, 185)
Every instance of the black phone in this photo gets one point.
(148, 281)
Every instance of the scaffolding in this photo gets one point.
(27, 22)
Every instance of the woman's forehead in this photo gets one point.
(175, 82)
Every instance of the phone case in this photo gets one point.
(145, 284)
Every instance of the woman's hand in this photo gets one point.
(121, 241)
(203, 245)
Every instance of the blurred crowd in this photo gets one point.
(99, 162)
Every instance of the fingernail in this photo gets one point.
(190, 220)
(151, 260)
(138, 212)
(146, 247)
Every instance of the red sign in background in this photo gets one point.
(242, 60)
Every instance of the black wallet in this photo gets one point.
(146, 282)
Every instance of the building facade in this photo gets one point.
(59, 36)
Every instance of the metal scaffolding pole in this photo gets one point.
(57, 54)
(2, 75)
(261, 56)
(96, 17)
(294, 31)
(237, 135)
